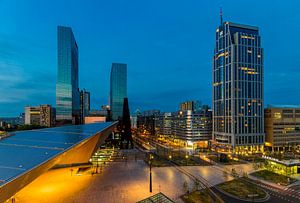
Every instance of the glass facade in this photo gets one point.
(67, 92)
(118, 89)
(238, 86)
(85, 98)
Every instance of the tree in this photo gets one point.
(126, 124)
(255, 166)
(234, 173)
(185, 187)
(225, 175)
(196, 185)
(224, 158)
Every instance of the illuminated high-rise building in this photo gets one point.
(67, 92)
(118, 89)
(238, 113)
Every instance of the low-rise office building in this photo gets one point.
(96, 116)
(47, 115)
(32, 115)
(193, 127)
(164, 126)
(43, 115)
(190, 126)
(282, 128)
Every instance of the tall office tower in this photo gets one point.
(118, 89)
(67, 92)
(238, 114)
(84, 104)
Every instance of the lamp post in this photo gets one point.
(150, 165)
(97, 161)
(186, 158)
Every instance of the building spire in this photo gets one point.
(221, 15)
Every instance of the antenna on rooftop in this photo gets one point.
(221, 15)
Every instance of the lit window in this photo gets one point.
(247, 37)
(221, 54)
(277, 115)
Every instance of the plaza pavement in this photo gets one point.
(119, 182)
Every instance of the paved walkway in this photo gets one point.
(119, 182)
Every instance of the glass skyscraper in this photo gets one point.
(238, 114)
(118, 89)
(67, 92)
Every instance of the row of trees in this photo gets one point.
(21, 127)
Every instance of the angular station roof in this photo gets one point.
(24, 150)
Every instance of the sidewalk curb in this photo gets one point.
(247, 200)
(267, 182)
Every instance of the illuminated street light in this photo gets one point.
(186, 158)
(150, 164)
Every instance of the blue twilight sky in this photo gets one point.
(167, 44)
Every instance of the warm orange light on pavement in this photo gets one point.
(54, 186)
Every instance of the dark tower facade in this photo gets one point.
(238, 97)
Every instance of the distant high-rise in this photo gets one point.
(67, 92)
(238, 114)
(84, 104)
(190, 105)
(118, 89)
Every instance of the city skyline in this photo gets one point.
(29, 72)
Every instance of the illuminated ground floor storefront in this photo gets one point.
(282, 148)
(190, 144)
(252, 149)
(284, 167)
(193, 144)
(241, 150)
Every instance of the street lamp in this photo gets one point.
(186, 158)
(150, 164)
(100, 165)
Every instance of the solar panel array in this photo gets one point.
(24, 150)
